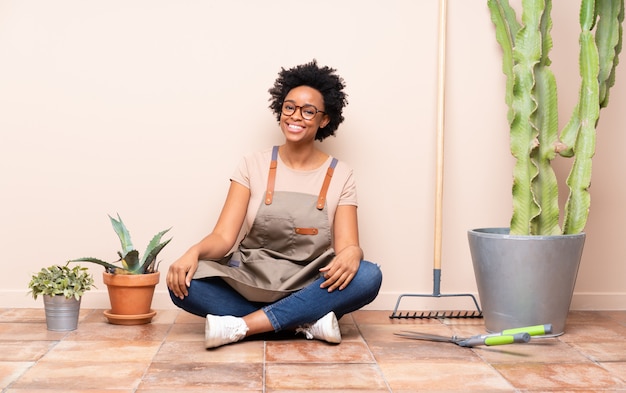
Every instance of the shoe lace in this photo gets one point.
(306, 330)
(236, 331)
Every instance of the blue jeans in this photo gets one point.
(214, 296)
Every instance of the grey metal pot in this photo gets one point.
(524, 280)
(61, 313)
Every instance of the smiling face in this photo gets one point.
(295, 127)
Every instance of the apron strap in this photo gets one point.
(321, 199)
(271, 179)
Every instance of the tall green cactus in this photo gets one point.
(531, 95)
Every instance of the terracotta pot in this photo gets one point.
(131, 297)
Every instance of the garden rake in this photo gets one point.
(439, 198)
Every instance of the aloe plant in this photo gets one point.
(531, 95)
(131, 263)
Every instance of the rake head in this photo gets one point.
(437, 314)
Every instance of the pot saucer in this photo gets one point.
(139, 319)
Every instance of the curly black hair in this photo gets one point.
(324, 80)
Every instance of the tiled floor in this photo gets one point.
(168, 356)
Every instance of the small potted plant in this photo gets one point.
(62, 289)
(131, 284)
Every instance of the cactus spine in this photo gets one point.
(531, 94)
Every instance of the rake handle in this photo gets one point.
(441, 77)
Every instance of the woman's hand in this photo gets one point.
(180, 274)
(342, 269)
(215, 245)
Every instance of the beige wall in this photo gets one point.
(144, 107)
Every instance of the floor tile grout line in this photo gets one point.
(378, 369)
(264, 372)
(156, 353)
(35, 362)
(573, 343)
(492, 367)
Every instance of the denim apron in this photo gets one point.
(289, 241)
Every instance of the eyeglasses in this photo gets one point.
(307, 111)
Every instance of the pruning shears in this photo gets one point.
(508, 336)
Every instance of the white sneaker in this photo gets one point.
(325, 329)
(223, 330)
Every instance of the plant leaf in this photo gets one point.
(131, 262)
(609, 42)
(123, 234)
(152, 245)
(61, 280)
(544, 185)
(579, 179)
(151, 257)
(523, 133)
(108, 266)
(507, 26)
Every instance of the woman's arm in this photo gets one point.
(348, 254)
(215, 245)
